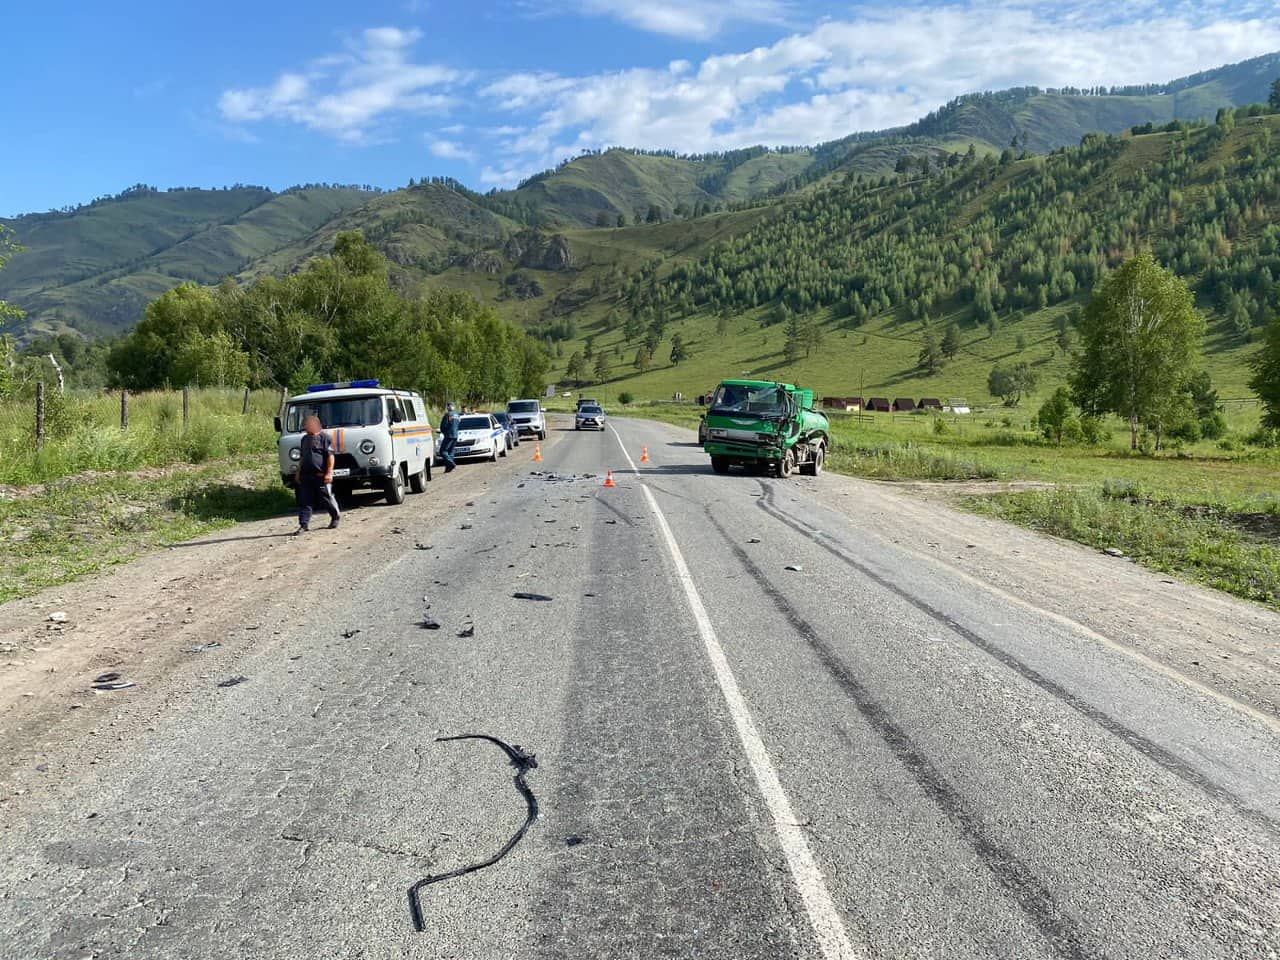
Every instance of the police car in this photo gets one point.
(381, 437)
(480, 435)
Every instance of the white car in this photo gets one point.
(381, 438)
(528, 417)
(480, 435)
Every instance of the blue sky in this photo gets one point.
(100, 96)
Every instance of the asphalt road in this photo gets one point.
(863, 757)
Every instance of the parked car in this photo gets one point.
(513, 432)
(529, 417)
(479, 435)
(589, 418)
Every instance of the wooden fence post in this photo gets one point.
(186, 407)
(124, 409)
(39, 414)
(244, 409)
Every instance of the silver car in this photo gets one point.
(589, 417)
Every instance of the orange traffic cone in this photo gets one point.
(608, 479)
(537, 453)
(644, 454)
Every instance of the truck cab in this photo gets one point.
(766, 426)
(382, 438)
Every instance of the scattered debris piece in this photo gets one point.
(112, 681)
(795, 567)
(430, 624)
(422, 546)
(58, 617)
(1113, 552)
(471, 503)
(754, 540)
(572, 840)
(611, 521)
(465, 526)
(348, 634)
(397, 529)
(233, 681)
(211, 645)
(531, 596)
(468, 631)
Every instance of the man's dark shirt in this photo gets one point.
(449, 425)
(315, 454)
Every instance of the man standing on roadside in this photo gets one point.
(448, 437)
(315, 475)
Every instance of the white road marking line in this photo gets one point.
(828, 929)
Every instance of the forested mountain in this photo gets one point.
(94, 268)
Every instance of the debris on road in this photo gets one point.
(794, 567)
(531, 596)
(422, 546)
(465, 526)
(58, 617)
(111, 681)
(211, 645)
(468, 631)
(753, 540)
(1113, 552)
(233, 681)
(348, 634)
(523, 762)
(572, 840)
(430, 624)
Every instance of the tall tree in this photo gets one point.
(1274, 99)
(1011, 382)
(573, 369)
(951, 341)
(930, 354)
(679, 352)
(1140, 340)
(1266, 373)
(602, 371)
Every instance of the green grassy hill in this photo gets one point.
(95, 268)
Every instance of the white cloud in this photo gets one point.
(345, 94)
(884, 68)
(449, 150)
(686, 19)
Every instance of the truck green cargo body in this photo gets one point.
(766, 426)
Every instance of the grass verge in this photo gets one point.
(79, 527)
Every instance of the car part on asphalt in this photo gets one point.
(211, 645)
(111, 681)
(531, 596)
(429, 624)
(523, 762)
(233, 681)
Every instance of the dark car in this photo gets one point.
(512, 430)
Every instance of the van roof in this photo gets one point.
(352, 392)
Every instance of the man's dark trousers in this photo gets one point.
(313, 492)
(446, 450)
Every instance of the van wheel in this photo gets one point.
(418, 482)
(393, 488)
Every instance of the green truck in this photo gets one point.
(765, 426)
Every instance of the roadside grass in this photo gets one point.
(84, 434)
(81, 526)
(1208, 548)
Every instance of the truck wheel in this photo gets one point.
(720, 464)
(814, 466)
(393, 488)
(418, 481)
(787, 464)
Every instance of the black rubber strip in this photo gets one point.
(523, 762)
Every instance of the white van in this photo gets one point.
(381, 438)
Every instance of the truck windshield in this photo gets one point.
(767, 401)
(346, 412)
(522, 406)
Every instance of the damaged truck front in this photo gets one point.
(765, 426)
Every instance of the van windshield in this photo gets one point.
(345, 412)
(767, 401)
(522, 406)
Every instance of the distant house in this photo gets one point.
(929, 403)
(957, 405)
(847, 404)
(879, 405)
(904, 405)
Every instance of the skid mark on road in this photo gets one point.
(1148, 748)
(1031, 895)
(825, 920)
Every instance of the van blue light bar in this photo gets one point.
(356, 384)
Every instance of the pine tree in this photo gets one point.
(951, 341)
(602, 367)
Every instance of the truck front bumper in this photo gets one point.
(741, 451)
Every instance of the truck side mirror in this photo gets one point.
(276, 420)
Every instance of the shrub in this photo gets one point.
(625, 398)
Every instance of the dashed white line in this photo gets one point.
(828, 929)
